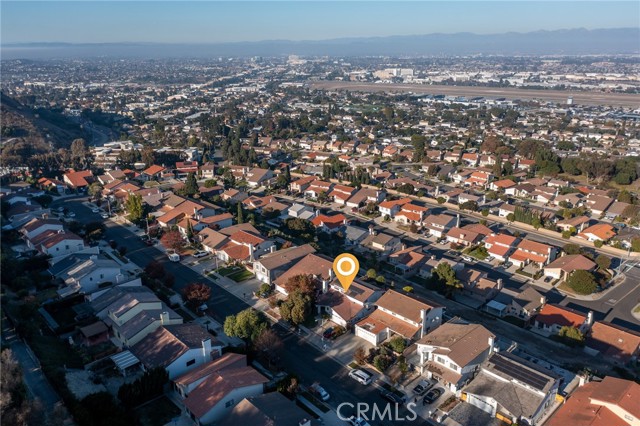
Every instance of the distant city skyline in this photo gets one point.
(221, 22)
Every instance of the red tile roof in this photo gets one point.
(554, 314)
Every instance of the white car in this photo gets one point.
(174, 257)
(360, 376)
(200, 254)
(358, 421)
(72, 214)
(105, 215)
(319, 390)
(95, 210)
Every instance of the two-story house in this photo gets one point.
(400, 314)
(513, 388)
(347, 307)
(453, 352)
(272, 265)
(529, 251)
(500, 246)
(392, 207)
(439, 224)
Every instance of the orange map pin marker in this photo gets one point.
(346, 267)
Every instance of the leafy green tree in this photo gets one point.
(210, 183)
(134, 207)
(191, 185)
(511, 217)
(298, 307)
(603, 262)
(247, 324)
(582, 282)
(398, 344)
(572, 249)
(372, 274)
(445, 273)
(571, 336)
(441, 200)
(95, 190)
(240, 214)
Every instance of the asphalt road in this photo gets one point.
(559, 96)
(300, 358)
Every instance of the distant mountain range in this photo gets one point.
(559, 42)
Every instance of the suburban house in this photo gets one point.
(300, 185)
(319, 267)
(613, 342)
(353, 235)
(153, 172)
(364, 196)
(93, 334)
(329, 223)
(86, 273)
(132, 312)
(426, 270)
(439, 224)
(317, 187)
(272, 265)
(599, 232)
(408, 260)
(512, 388)
(177, 348)
(411, 214)
(37, 226)
(381, 243)
(183, 168)
(56, 243)
(500, 246)
(524, 304)
(243, 246)
(392, 207)
(268, 409)
(463, 237)
(78, 180)
(341, 193)
(233, 196)
(611, 402)
(453, 352)
(563, 267)
(211, 390)
(400, 314)
(346, 308)
(505, 209)
(578, 223)
(552, 318)
(301, 211)
(501, 185)
(529, 251)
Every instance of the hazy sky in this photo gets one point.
(217, 21)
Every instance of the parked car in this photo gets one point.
(200, 254)
(391, 397)
(328, 333)
(360, 376)
(71, 214)
(359, 421)
(422, 387)
(105, 215)
(95, 210)
(468, 259)
(319, 390)
(432, 396)
(174, 257)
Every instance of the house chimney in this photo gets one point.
(437, 190)
(251, 251)
(543, 300)
(491, 341)
(499, 282)
(164, 318)
(206, 349)
(403, 246)
(590, 318)
(371, 230)
(330, 274)
(433, 257)
(272, 249)
(458, 220)
(304, 422)
(325, 286)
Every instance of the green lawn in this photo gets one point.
(226, 271)
(158, 412)
(241, 275)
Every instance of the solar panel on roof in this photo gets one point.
(519, 373)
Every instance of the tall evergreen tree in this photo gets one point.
(191, 185)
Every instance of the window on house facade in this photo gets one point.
(191, 362)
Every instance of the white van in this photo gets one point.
(360, 376)
(174, 257)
